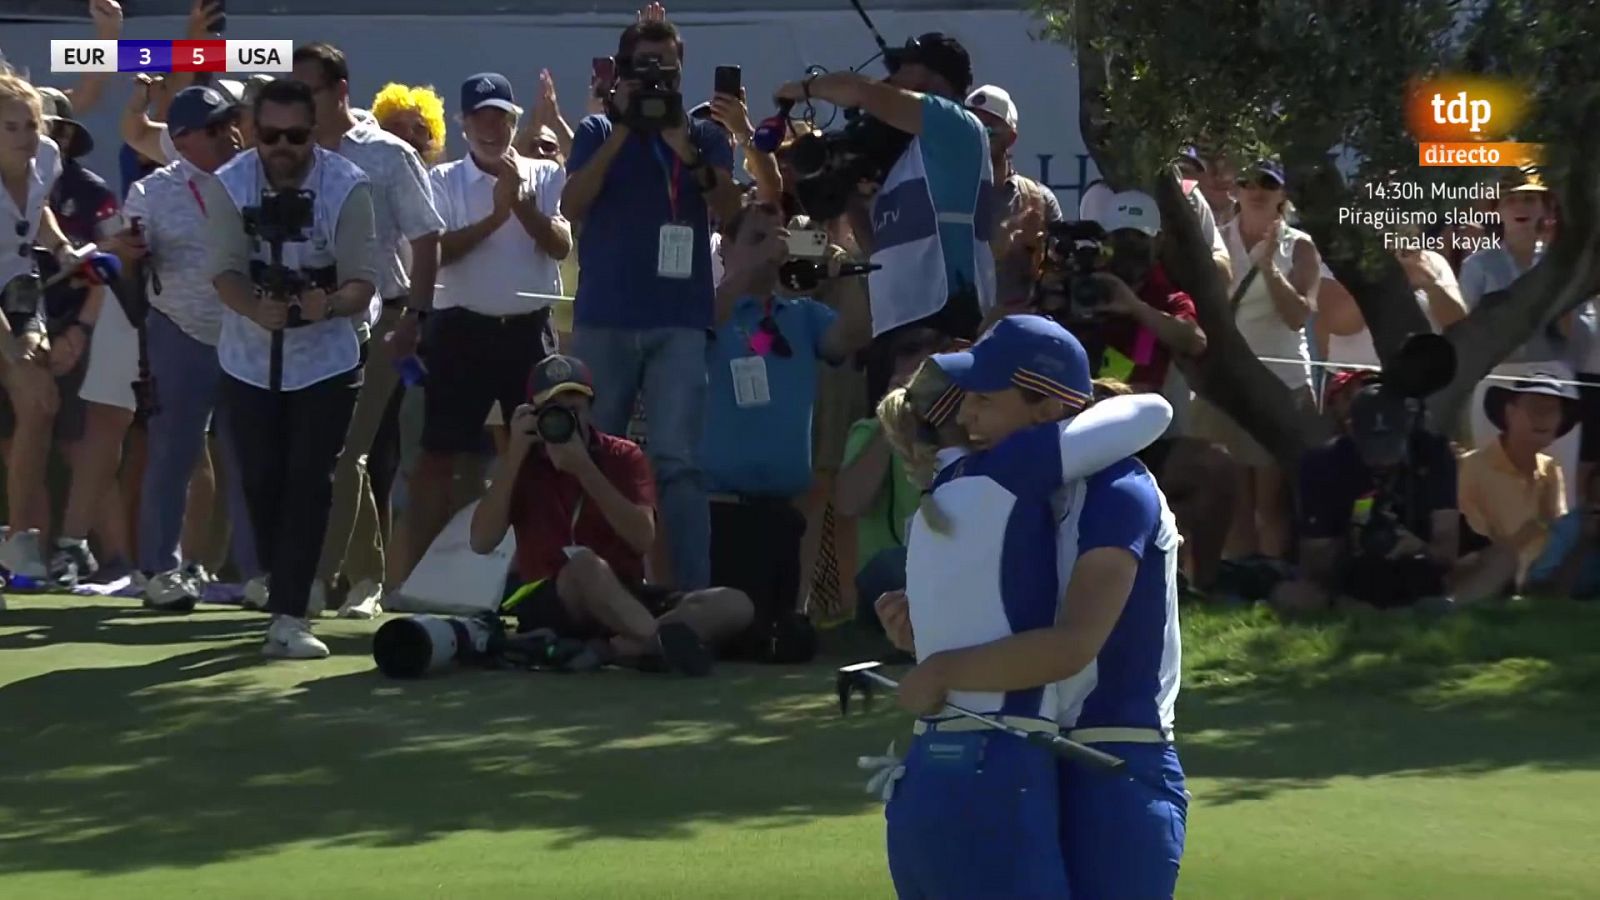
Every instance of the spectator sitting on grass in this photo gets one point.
(1379, 522)
(1570, 564)
(1512, 491)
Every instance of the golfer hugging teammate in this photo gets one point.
(1042, 570)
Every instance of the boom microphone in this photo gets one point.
(805, 275)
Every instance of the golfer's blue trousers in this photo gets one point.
(1123, 840)
(976, 815)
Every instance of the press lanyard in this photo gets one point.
(198, 199)
(672, 177)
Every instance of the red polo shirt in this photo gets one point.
(1133, 355)
(550, 511)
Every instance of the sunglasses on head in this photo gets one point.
(270, 136)
(773, 339)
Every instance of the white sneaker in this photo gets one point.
(173, 591)
(20, 555)
(291, 638)
(363, 601)
(256, 593)
(318, 601)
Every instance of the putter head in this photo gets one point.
(850, 681)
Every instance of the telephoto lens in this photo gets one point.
(423, 645)
(556, 424)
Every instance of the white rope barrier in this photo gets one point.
(1318, 364)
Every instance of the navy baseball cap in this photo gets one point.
(1024, 351)
(196, 107)
(557, 374)
(1267, 168)
(488, 89)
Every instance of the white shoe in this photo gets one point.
(20, 555)
(173, 591)
(363, 601)
(291, 638)
(318, 601)
(256, 593)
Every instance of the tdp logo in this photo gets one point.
(1459, 110)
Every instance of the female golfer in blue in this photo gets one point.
(1111, 661)
(976, 813)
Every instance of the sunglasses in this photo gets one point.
(769, 339)
(270, 136)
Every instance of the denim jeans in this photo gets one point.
(669, 364)
(188, 383)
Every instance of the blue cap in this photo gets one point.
(488, 89)
(1271, 168)
(196, 107)
(1024, 351)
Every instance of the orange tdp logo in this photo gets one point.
(1464, 121)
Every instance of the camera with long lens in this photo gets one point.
(555, 424)
(830, 166)
(283, 217)
(654, 103)
(1065, 289)
(414, 646)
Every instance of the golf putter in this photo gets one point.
(863, 676)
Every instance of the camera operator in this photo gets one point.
(582, 505)
(408, 229)
(1379, 516)
(924, 223)
(289, 349)
(643, 182)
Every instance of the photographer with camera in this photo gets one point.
(1379, 518)
(644, 182)
(924, 160)
(294, 253)
(582, 506)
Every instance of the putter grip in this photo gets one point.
(1066, 749)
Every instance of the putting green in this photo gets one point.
(153, 756)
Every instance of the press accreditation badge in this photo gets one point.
(750, 382)
(675, 253)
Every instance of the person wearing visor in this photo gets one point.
(581, 503)
(924, 224)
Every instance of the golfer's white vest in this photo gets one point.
(314, 352)
(913, 282)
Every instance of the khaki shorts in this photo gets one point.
(1209, 423)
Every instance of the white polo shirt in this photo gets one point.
(402, 200)
(489, 277)
(171, 204)
(19, 228)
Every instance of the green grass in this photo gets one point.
(147, 756)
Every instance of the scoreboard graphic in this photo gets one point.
(222, 56)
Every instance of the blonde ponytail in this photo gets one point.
(904, 429)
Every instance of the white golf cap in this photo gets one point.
(996, 100)
(1131, 209)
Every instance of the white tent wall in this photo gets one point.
(771, 47)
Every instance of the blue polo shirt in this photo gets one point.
(992, 573)
(1133, 682)
(619, 238)
(763, 449)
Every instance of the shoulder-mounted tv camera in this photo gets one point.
(283, 217)
(830, 166)
(654, 102)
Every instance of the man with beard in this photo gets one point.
(181, 333)
(291, 355)
(408, 231)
